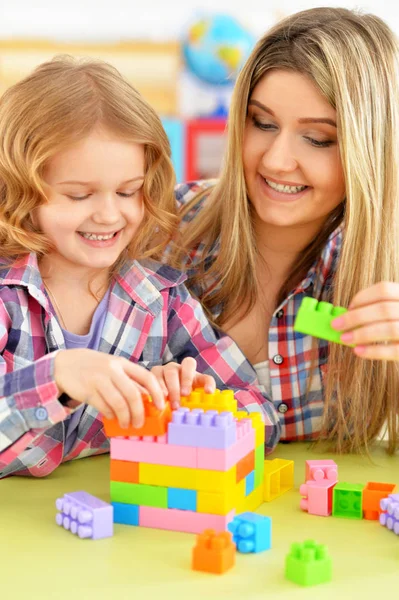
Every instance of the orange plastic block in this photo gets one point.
(372, 494)
(245, 465)
(214, 552)
(156, 422)
(124, 470)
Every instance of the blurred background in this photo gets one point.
(182, 55)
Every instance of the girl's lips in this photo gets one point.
(101, 243)
(280, 196)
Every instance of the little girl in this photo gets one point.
(85, 311)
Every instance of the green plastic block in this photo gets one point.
(139, 493)
(348, 500)
(259, 461)
(308, 564)
(314, 318)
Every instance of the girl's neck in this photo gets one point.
(61, 273)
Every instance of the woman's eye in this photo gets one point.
(318, 143)
(263, 126)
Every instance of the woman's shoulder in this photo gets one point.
(193, 195)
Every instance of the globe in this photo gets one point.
(216, 47)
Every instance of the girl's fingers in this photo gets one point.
(378, 352)
(205, 381)
(188, 369)
(369, 334)
(384, 311)
(158, 372)
(147, 380)
(172, 380)
(133, 396)
(111, 395)
(96, 400)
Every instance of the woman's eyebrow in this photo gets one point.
(302, 120)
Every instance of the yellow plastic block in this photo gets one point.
(239, 492)
(278, 478)
(220, 400)
(168, 476)
(215, 503)
(251, 502)
(216, 481)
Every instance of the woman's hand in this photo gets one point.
(112, 384)
(179, 380)
(372, 322)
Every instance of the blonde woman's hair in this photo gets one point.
(55, 106)
(352, 59)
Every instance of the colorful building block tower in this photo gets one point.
(190, 469)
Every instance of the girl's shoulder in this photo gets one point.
(193, 195)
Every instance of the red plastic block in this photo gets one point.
(318, 497)
(124, 470)
(373, 493)
(182, 520)
(246, 465)
(213, 552)
(317, 470)
(156, 422)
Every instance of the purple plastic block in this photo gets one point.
(85, 515)
(390, 518)
(200, 429)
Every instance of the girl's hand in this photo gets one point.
(179, 380)
(372, 322)
(112, 384)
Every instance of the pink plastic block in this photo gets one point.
(317, 497)
(155, 451)
(222, 460)
(85, 515)
(200, 429)
(318, 470)
(182, 520)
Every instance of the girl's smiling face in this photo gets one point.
(95, 201)
(291, 158)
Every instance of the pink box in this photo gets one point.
(154, 452)
(317, 497)
(222, 460)
(186, 521)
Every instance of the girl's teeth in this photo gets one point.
(285, 189)
(93, 236)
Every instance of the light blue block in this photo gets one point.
(126, 514)
(175, 131)
(182, 499)
(250, 483)
(251, 532)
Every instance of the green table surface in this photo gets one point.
(41, 560)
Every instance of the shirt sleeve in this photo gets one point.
(28, 399)
(191, 334)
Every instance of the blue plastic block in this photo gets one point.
(182, 499)
(126, 514)
(250, 483)
(251, 532)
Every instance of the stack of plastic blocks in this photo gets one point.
(321, 476)
(389, 516)
(85, 515)
(188, 470)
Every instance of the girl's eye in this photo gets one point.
(319, 144)
(76, 198)
(127, 194)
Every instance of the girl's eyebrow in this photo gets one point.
(140, 177)
(302, 120)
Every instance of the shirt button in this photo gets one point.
(280, 314)
(41, 414)
(278, 359)
(282, 408)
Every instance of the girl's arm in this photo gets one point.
(190, 334)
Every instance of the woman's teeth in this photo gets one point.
(93, 236)
(285, 189)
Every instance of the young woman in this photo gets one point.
(307, 204)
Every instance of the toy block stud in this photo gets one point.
(314, 318)
(197, 428)
(317, 497)
(319, 470)
(390, 517)
(372, 495)
(308, 564)
(156, 422)
(251, 532)
(278, 478)
(85, 515)
(220, 401)
(213, 552)
(348, 500)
